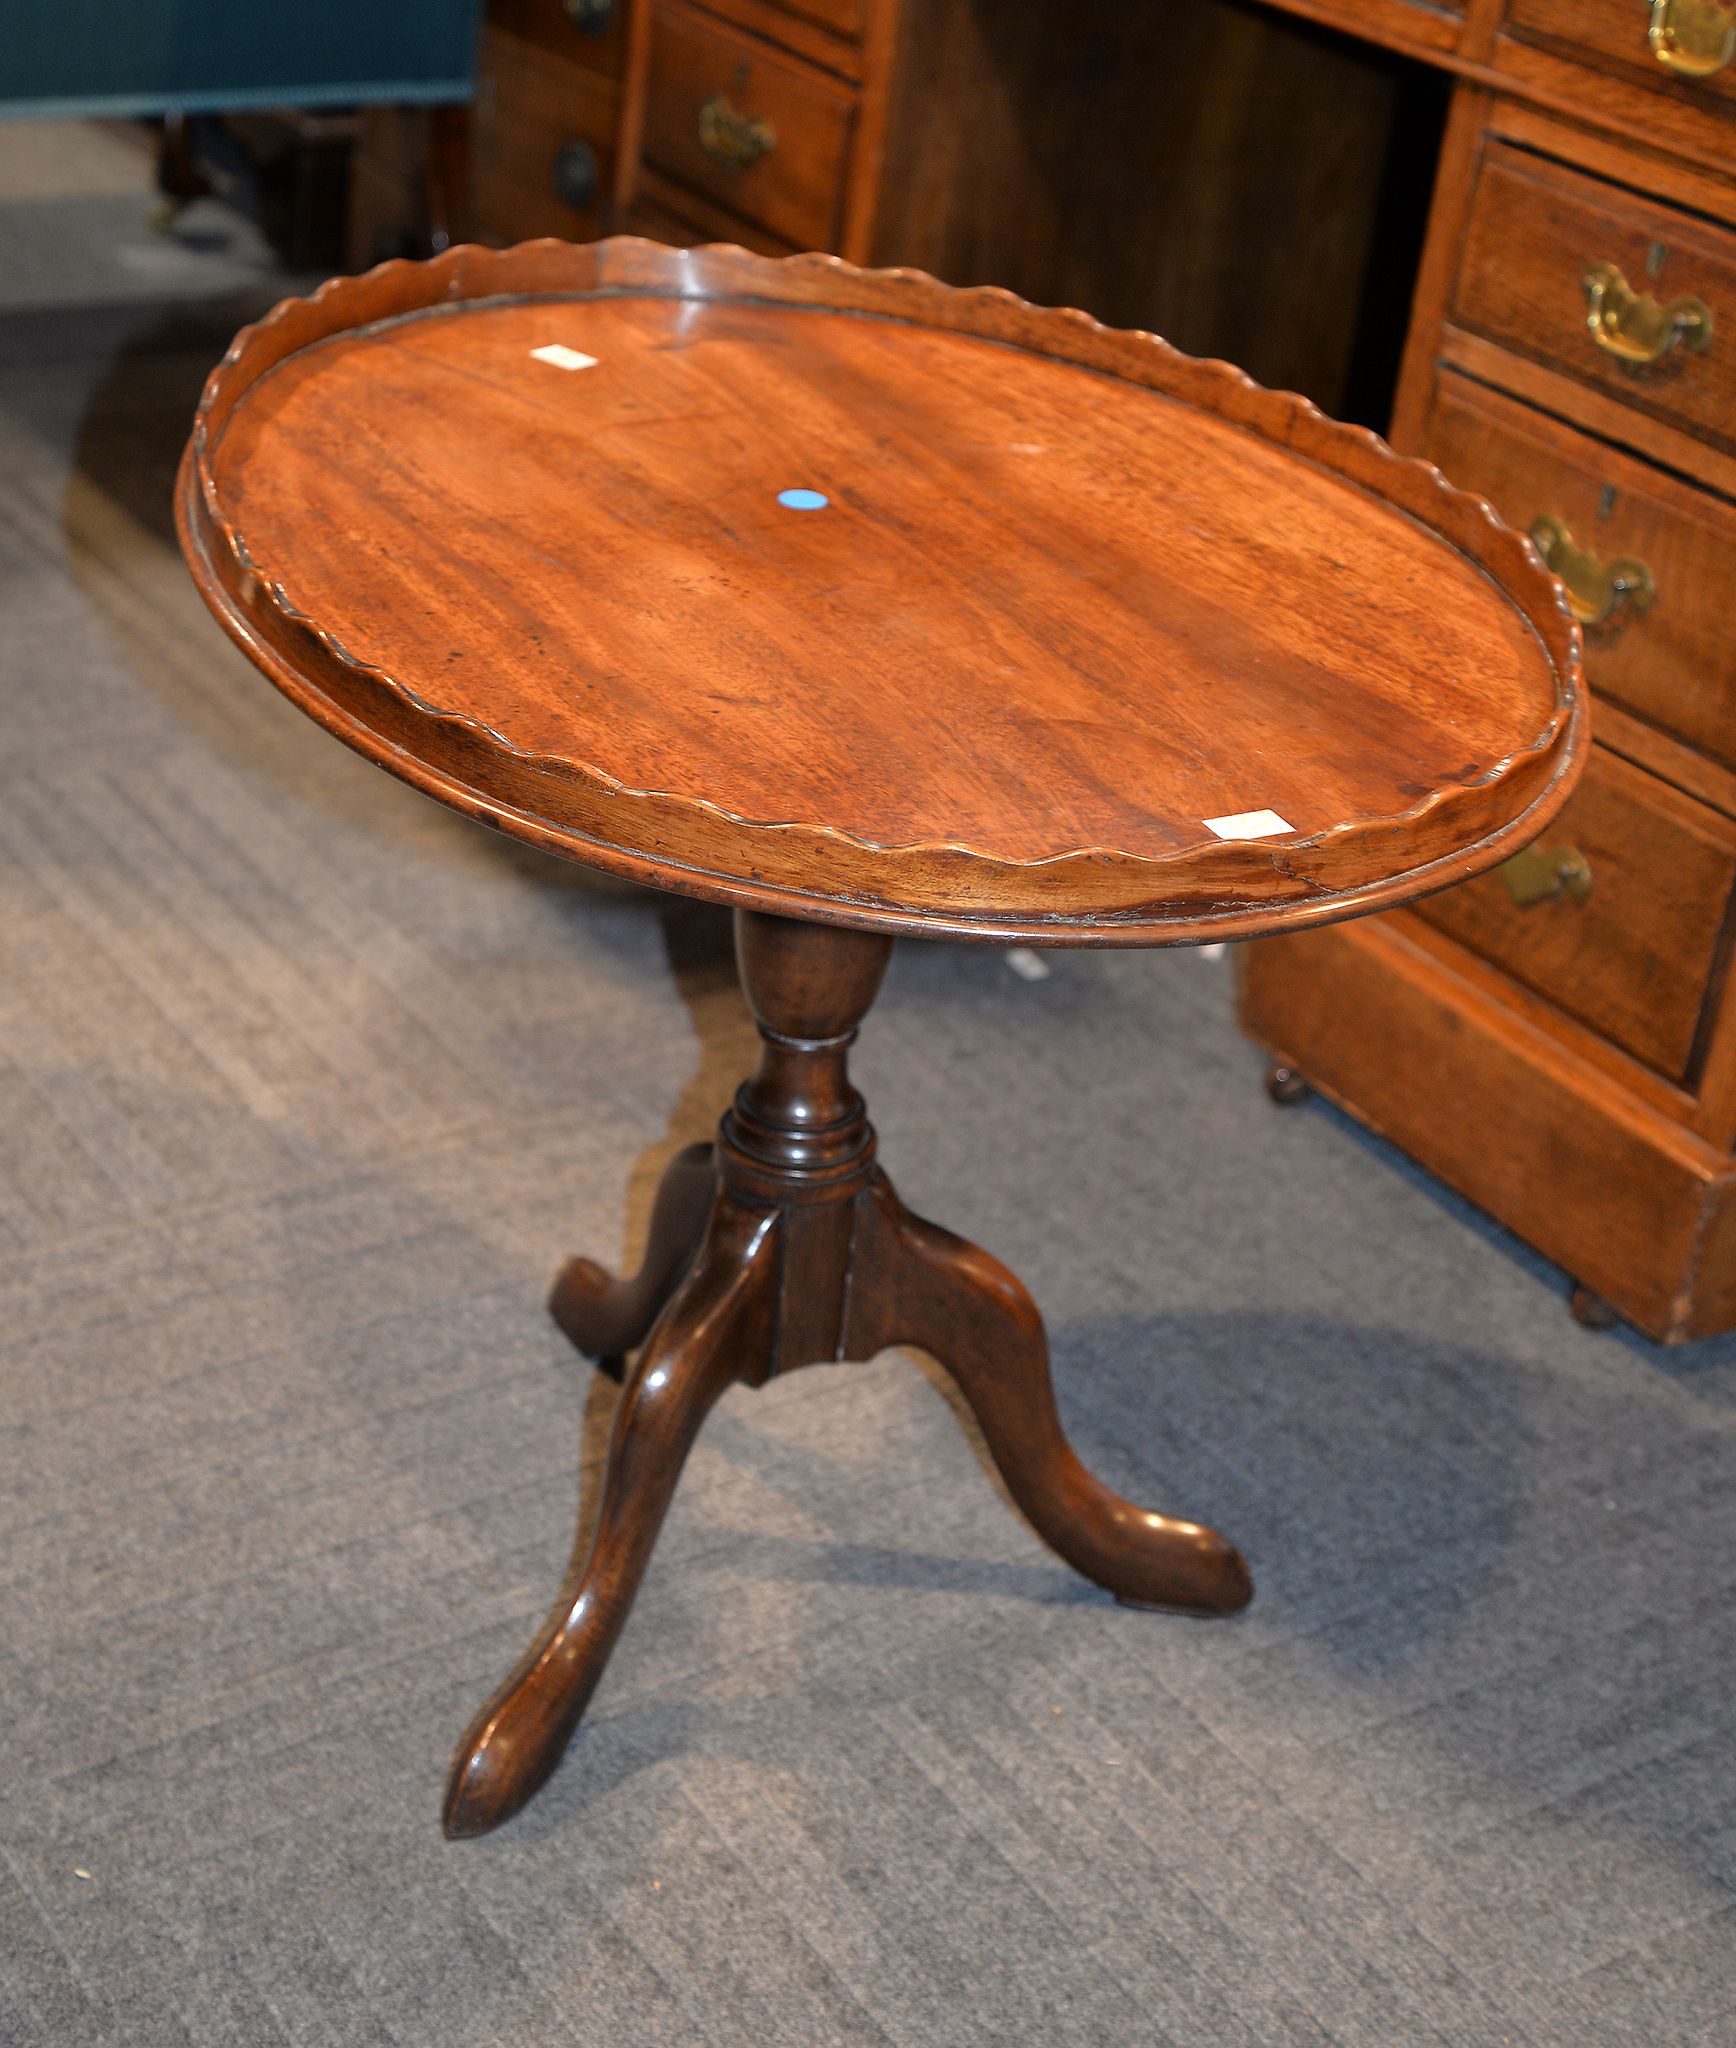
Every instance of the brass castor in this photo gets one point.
(1285, 1085)
(1590, 1309)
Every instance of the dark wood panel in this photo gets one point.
(548, 25)
(1234, 179)
(666, 212)
(534, 106)
(842, 17)
(829, 33)
(1412, 25)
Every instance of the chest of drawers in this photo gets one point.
(1559, 1040)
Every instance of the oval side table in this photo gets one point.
(867, 606)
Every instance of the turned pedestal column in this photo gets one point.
(780, 1246)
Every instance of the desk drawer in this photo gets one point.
(758, 132)
(1678, 45)
(1636, 958)
(1669, 655)
(542, 149)
(1538, 232)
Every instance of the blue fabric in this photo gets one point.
(158, 56)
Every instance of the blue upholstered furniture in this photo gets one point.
(196, 56)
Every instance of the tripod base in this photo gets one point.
(784, 1245)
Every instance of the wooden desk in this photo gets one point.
(1559, 1042)
(1568, 1061)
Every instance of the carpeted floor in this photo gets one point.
(306, 1087)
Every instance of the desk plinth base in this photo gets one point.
(784, 1245)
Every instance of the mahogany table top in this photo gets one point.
(854, 596)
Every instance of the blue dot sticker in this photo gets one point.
(804, 501)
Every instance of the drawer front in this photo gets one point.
(757, 132)
(1686, 46)
(1545, 242)
(1650, 563)
(542, 144)
(1634, 958)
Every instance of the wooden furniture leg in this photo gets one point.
(923, 1286)
(781, 1246)
(693, 1353)
(606, 1317)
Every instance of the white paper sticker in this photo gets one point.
(562, 357)
(1249, 825)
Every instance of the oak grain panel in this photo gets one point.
(1555, 1149)
(1536, 227)
(1615, 31)
(796, 190)
(1673, 662)
(1636, 958)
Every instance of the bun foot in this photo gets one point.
(1286, 1086)
(1590, 1309)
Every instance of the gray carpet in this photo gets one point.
(305, 1089)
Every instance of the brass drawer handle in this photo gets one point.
(735, 140)
(1596, 589)
(1693, 38)
(1636, 328)
(1541, 873)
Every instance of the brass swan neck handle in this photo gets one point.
(1636, 328)
(1693, 38)
(1596, 589)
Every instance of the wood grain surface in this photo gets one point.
(1048, 624)
(1615, 30)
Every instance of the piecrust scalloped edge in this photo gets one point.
(1556, 629)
